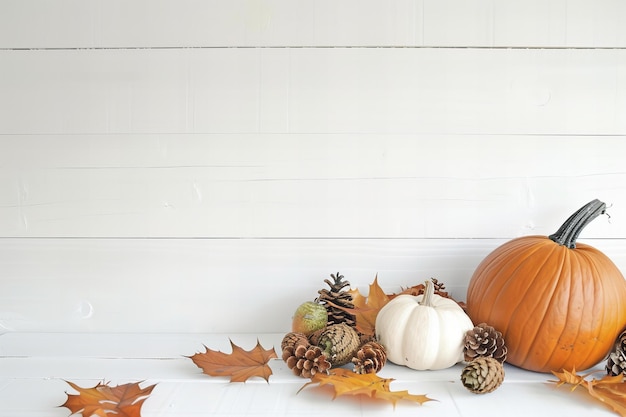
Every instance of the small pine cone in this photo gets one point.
(314, 338)
(336, 300)
(340, 343)
(482, 375)
(306, 361)
(439, 286)
(616, 362)
(370, 358)
(364, 338)
(291, 353)
(484, 341)
(293, 339)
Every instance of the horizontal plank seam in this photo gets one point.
(320, 133)
(80, 48)
(362, 238)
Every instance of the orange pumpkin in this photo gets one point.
(558, 304)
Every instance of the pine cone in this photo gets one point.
(482, 375)
(314, 338)
(370, 358)
(364, 338)
(484, 341)
(305, 361)
(439, 287)
(293, 339)
(339, 299)
(616, 362)
(339, 342)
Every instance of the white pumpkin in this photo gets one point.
(424, 331)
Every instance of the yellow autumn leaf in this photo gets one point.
(346, 382)
(609, 390)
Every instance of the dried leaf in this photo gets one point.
(414, 291)
(609, 390)
(346, 382)
(239, 365)
(366, 308)
(105, 401)
(567, 377)
(419, 290)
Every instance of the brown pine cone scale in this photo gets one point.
(370, 358)
(339, 342)
(484, 341)
(337, 298)
(293, 339)
(482, 375)
(306, 361)
(616, 362)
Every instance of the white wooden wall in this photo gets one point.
(202, 166)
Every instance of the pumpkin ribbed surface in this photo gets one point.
(557, 307)
(423, 332)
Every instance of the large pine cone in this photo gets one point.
(484, 341)
(305, 361)
(339, 342)
(370, 358)
(616, 362)
(482, 375)
(336, 299)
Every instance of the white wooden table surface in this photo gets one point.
(35, 367)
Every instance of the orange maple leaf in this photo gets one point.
(239, 365)
(366, 308)
(105, 401)
(346, 382)
(609, 390)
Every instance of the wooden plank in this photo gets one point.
(188, 285)
(318, 185)
(457, 91)
(176, 394)
(577, 23)
(213, 285)
(172, 347)
(279, 23)
(334, 90)
(34, 386)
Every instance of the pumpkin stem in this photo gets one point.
(429, 291)
(569, 231)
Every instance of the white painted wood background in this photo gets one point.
(175, 173)
(202, 166)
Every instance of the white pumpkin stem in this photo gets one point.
(429, 291)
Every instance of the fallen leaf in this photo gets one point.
(366, 308)
(239, 365)
(105, 401)
(419, 290)
(414, 291)
(346, 382)
(609, 390)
